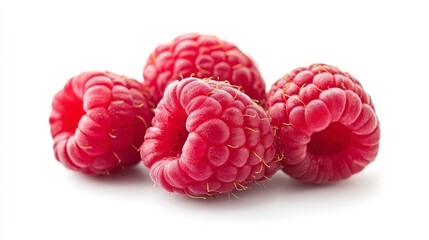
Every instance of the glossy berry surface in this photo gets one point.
(325, 123)
(98, 121)
(202, 56)
(208, 138)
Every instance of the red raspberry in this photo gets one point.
(326, 125)
(98, 120)
(208, 138)
(203, 57)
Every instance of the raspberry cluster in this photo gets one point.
(203, 125)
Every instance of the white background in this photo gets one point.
(384, 44)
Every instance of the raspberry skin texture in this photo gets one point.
(208, 138)
(202, 56)
(325, 124)
(98, 120)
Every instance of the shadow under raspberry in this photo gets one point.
(133, 176)
(284, 196)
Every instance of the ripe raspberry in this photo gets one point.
(326, 125)
(203, 57)
(208, 138)
(98, 120)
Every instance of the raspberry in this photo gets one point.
(203, 57)
(208, 138)
(98, 120)
(326, 125)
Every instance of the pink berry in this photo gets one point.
(208, 138)
(98, 120)
(326, 125)
(202, 56)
